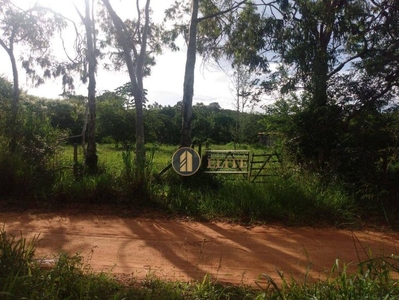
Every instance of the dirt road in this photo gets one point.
(186, 250)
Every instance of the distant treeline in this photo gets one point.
(116, 121)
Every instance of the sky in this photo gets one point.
(165, 85)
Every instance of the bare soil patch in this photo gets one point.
(186, 250)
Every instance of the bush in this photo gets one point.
(29, 170)
(15, 255)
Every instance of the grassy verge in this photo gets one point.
(293, 198)
(21, 277)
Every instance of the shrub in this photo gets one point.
(15, 255)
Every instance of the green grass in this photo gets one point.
(21, 277)
(110, 156)
(294, 198)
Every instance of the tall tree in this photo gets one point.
(311, 42)
(133, 41)
(91, 59)
(246, 94)
(209, 11)
(33, 29)
(188, 85)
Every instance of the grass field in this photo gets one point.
(291, 197)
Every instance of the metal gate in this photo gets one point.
(254, 168)
(263, 166)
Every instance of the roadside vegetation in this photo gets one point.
(359, 189)
(290, 196)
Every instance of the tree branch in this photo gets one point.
(137, 31)
(4, 46)
(79, 13)
(222, 12)
(340, 67)
(143, 46)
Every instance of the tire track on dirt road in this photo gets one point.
(185, 250)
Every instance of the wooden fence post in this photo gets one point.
(75, 160)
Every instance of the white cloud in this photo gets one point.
(168, 77)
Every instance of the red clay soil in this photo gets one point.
(187, 250)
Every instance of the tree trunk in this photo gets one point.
(188, 86)
(236, 139)
(139, 95)
(140, 149)
(91, 153)
(13, 126)
(136, 78)
(320, 78)
(323, 135)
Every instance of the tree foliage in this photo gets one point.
(32, 30)
(335, 63)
